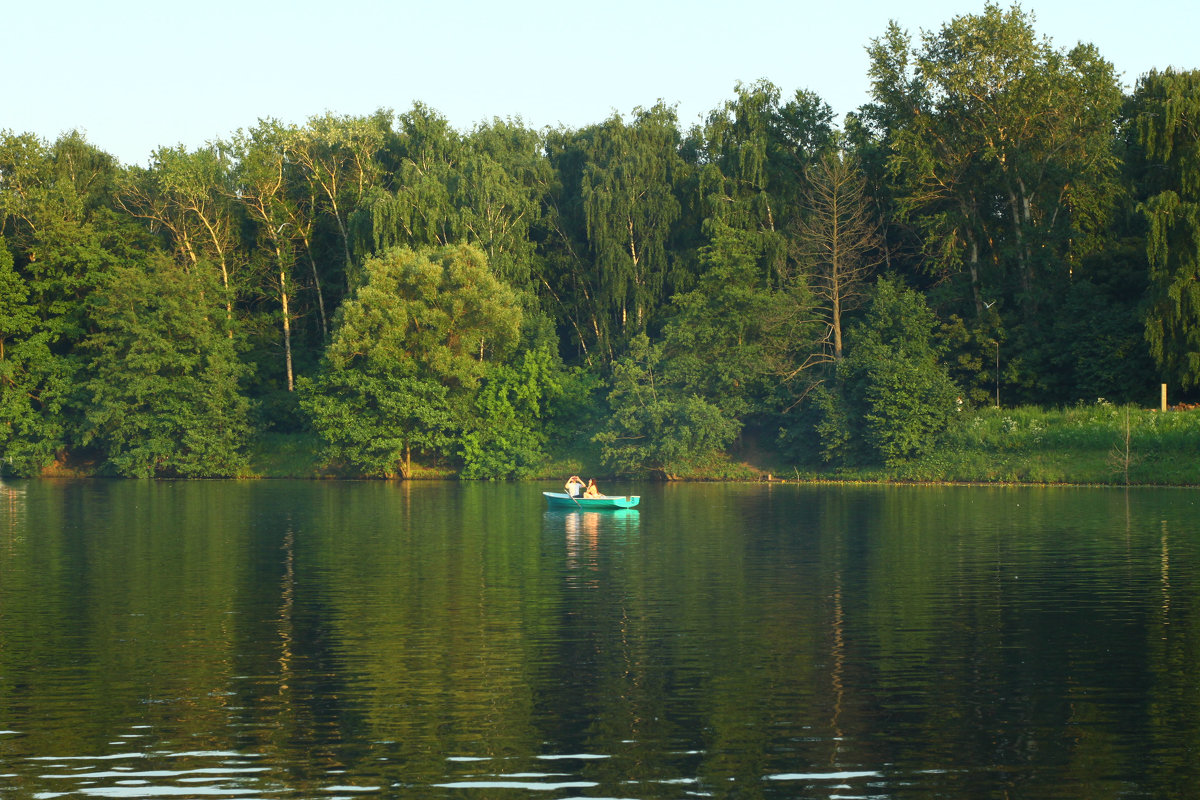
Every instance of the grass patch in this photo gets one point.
(1075, 445)
(1080, 444)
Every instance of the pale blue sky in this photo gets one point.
(138, 74)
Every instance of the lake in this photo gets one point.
(446, 640)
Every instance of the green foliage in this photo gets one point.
(162, 390)
(718, 339)
(505, 437)
(833, 425)
(745, 171)
(506, 434)
(408, 356)
(896, 397)
(655, 427)
(1096, 346)
(1075, 444)
(972, 355)
(483, 189)
(628, 197)
(999, 157)
(401, 256)
(910, 403)
(57, 225)
(369, 421)
(34, 383)
(1165, 152)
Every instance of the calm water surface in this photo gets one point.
(299, 640)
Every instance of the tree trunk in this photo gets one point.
(287, 322)
(312, 262)
(973, 266)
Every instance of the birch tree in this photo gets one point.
(630, 205)
(185, 196)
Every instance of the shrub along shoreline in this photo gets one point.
(1095, 444)
(1098, 444)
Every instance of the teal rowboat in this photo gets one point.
(563, 500)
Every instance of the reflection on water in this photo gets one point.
(12, 503)
(301, 640)
(584, 532)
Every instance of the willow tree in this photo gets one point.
(736, 178)
(415, 208)
(1164, 130)
(483, 189)
(630, 206)
(498, 194)
(754, 153)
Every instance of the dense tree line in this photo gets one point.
(1000, 219)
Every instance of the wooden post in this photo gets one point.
(1164, 397)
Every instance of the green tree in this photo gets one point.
(735, 174)
(337, 157)
(894, 396)
(654, 427)
(1000, 147)
(498, 195)
(565, 280)
(33, 383)
(629, 202)
(56, 217)
(263, 191)
(753, 154)
(415, 209)
(719, 342)
(483, 189)
(409, 351)
(1162, 132)
(162, 392)
(506, 434)
(185, 197)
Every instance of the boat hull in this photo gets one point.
(564, 500)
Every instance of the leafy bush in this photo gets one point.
(655, 428)
(894, 397)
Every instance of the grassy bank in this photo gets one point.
(1093, 444)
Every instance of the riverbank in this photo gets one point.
(1096, 444)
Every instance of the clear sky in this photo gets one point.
(134, 75)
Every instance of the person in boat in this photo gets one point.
(575, 486)
(592, 489)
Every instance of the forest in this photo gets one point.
(1001, 225)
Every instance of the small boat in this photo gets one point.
(562, 500)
